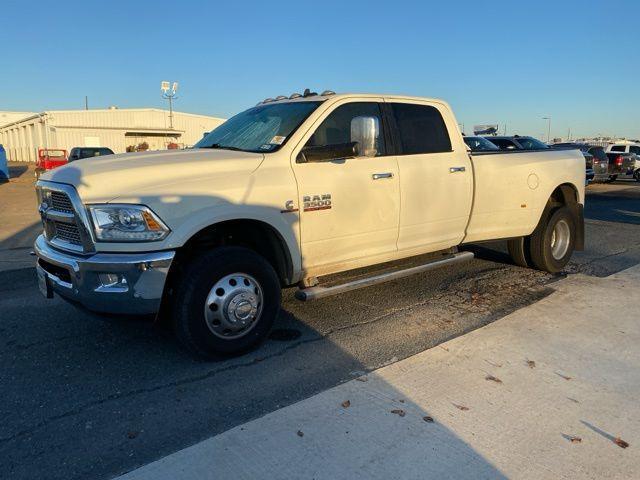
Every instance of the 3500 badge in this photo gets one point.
(311, 203)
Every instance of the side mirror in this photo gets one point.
(365, 132)
(327, 153)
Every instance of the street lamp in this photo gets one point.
(169, 92)
(548, 119)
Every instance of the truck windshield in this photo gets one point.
(264, 128)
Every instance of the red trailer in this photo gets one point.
(50, 158)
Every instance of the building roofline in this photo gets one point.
(130, 110)
(52, 112)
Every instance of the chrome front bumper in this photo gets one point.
(77, 278)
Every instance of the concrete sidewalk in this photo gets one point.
(542, 393)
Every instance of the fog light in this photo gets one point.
(112, 280)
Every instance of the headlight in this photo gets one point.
(126, 223)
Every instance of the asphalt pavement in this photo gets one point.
(88, 396)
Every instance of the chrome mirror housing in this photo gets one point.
(365, 131)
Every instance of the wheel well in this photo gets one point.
(253, 234)
(565, 194)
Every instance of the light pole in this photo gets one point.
(548, 119)
(169, 92)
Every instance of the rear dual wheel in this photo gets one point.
(550, 246)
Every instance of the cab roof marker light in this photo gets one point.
(268, 100)
(327, 92)
(281, 97)
(294, 95)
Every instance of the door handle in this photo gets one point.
(456, 169)
(378, 176)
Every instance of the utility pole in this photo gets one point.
(548, 119)
(86, 102)
(169, 93)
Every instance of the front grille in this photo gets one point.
(61, 211)
(67, 232)
(60, 201)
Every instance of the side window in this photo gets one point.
(618, 148)
(346, 124)
(634, 149)
(421, 129)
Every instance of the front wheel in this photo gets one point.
(226, 302)
(552, 242)
(636, 175)
(612, 178)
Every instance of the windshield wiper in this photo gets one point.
(225, 147)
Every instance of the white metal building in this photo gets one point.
(114, 128)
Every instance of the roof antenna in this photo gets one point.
(308, 93)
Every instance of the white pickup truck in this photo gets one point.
(286, 193)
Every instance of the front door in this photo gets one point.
(349, 207)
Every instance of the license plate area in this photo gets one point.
(43, 283)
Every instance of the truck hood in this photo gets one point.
(104, 179)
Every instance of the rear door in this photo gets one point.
(436, 186)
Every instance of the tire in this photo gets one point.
(612, 178)
(233, 282)
(553, 241)
(519, 251)
(636, 175)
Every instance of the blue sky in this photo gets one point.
(493, 61)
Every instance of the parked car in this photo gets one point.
(636, 169)
(78, 153)
(596, 160)
(479, 144)
(624, 148)
(286, 193)
(50, 158)
(624, 164)
(517, 142)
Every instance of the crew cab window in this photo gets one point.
(421, 129)
(618, 148)
(336, 128)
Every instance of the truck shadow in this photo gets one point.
(103, 380)
(17, 170)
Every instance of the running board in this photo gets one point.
(314, 293)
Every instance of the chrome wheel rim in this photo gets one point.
(233, 306)
(560, 239)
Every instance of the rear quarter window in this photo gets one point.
(599, 153)
(618, 148)
(421, 129)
